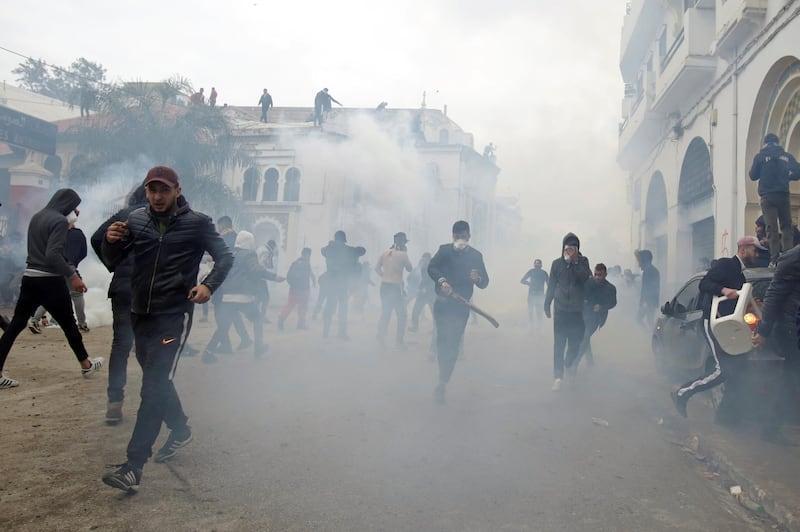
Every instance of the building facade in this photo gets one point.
(705, 81)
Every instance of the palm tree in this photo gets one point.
(139, 122)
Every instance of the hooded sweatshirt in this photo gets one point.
(568, 280)
(47, 235)
(773, 168)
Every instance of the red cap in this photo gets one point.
(162, 174)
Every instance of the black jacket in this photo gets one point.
(165, 265)
(120, 286)
(299, 275)
(782, 300)
(75, 247)
(567, 282)
(603, 294)
(342, 260)
(773, 168)
(725, 273)
(455, 267)
(47, 234)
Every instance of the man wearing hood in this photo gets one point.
(568, 276)
(43, 282)
(236, 295)
(773, 168)
(343, 269)
(167, 240)
(119, 292)
(456, 268)
(651, 288)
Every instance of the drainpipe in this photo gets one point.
(734, 230)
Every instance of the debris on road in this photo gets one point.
(736, 490)
(601, 422)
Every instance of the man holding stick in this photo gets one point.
(455, 269)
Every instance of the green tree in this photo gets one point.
(63, 84)
(137, 121)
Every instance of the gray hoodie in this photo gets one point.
(47, 234)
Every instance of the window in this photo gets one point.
(291, 190)
(687, 299)
(270, 192)
(250, 185)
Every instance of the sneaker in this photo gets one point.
(174, 442)
(245, 344)
(35, 327)
(126, 478)
(556, 385)
(439, 394)
(8, 382)
(83, 328)
(772, 265)
(679, 402)
(209, 357)
(114, 413)
(97, 363)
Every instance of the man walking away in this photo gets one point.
(725, 279)
(426, 292)
(651, 289)
(535, 279)
(343, 270)
(568, 275)
(119, 291)
(300, 277)
(601, 296)
(390, 267)
(167, 240)
(773, 168)
(778, 326)
(265, 102)
(43, 282)
(455, 268)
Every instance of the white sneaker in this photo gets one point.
(97, 363)
(556, 385)
(7, 382)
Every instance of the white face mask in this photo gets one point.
(460, 244)
(72, 218)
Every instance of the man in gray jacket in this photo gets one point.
(43, 282)
(568, 276)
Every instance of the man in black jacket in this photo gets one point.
(167, 240)
(119, 291)
(773, 168)
(343, 270)
(455, 268)
(724, 279)
(779, 327)
(567, 284)
(651, 289)
(601, 296)
(536, 279)
(43, 282)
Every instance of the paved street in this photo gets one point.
(343, 436)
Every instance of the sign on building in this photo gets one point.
(25, 131)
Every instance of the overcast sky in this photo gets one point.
(538, 78)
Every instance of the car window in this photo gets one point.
(688, 298)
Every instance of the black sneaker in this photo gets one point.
(174, 442)
(680, 403)
(126, 478)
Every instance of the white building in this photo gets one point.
(705, 80)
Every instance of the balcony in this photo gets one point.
(641, 128)
(687, 66)
(641, 24)
(737, 22)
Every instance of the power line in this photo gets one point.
(62, 70)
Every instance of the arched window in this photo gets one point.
(291, 190)
(250, 185)
(270, 192)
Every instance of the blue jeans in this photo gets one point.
(121, 346)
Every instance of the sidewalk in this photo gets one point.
(768, 474)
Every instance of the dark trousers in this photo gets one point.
(591, 322)
(782, 406)
(233, 312)
(535, 308)
(723, 363)
(337, 299)
(121, 345)
(264, 110)
(159, 341)
(422, 300)
(451, 321)
(223, 340)
(568, 330)
(53, 295)
(392, 300)
(777, 210)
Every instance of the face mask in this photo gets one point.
(460, 244)
(72, 218)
